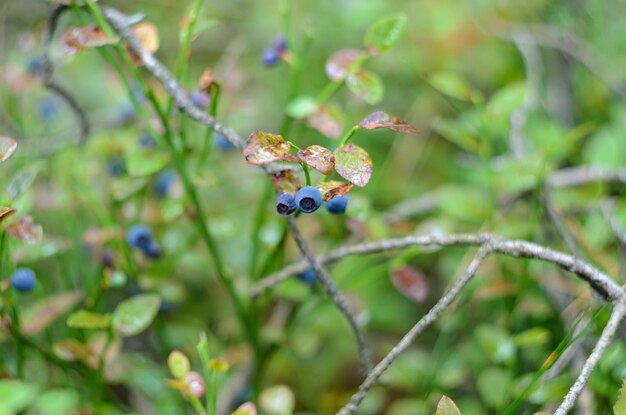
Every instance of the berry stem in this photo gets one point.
(209, 133)
(348, 136)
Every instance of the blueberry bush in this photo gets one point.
(381, 207)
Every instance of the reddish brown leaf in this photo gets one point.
(25, 229)
(148, 37)
(78, 39)
(328, 120)
(265, 148)
(7, 148)
(72, 350)
(353, 164)
(410, 282)
(43, 313)
(333, 188)
(318, 157)
(286, 181)
(207, 80)
(339, 62)
(380, 119)
(5, 212)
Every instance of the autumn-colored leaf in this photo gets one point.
(380, 119)
(318, 157)
(148, 37)
(339, 63)
(366, 85)
(353, 164)
(328, 120)
(72, 350)
(410, 282)
(333, 188)
(286, 181)
(7, 148)
(40, 315)
(446, 406)
(247, 408)
(207, 80)
(5, 212)
(26, 230)
(77, 39)
(265, 148)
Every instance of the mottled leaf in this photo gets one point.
(333, 188)
(410, 282)
(43, 313)
(25, 230)
(7, 148)
(83, 319)
(328, 120)
(384, 34)
(277, 400)
(207, 80)
(265, 148)
(380, 119)
(301, 107)
(5, 212)
(72, 350)
(134, 315)
(353, 164)
(286, 181)
(178, 364)
(247, 408)
(446, 406)
(620, 405)
(318, 157)
(77, 39)
(366, 85)
(339, 63)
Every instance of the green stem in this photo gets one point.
(348, 136)
(209, 133)
(259, 219)
(332, 87)
(307, 174)
(197, 405)
(203, 351)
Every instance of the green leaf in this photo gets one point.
(496, 343)
(459, 133)
(506, 100)
(178, 364)
(57, 402)
(125, 187)
(15, 396)
(134, 315)
(7, 148)
(72, 350)
(83, 319)
(144, 162)
(535, 336)
(22, 180)
(384, 34)
(446, 406)
(277, 400)
(264, 148)
(318, 157)
(301, 107)
(366, 85)
(494, 385)
(620, 405)
(452, 85)
(380, 119)
(353, 164)
(465, 203)
(5, 212)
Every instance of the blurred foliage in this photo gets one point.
(455, 73)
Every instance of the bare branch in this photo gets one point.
(619, 310)
(599, 281)
(432, 315)
(48, 72)
(333, 291)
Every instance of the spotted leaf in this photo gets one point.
(318, 157)
(265, 148)
(380, 119)
(353, 164)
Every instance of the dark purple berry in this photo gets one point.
(280, 44)
(337, 204)
(270, 57)
(309, 199)
(309, 276)
(139, 236)
(23, 280)
(285, 204)
(108, 258)
(200, 99)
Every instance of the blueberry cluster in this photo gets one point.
(23, 280)
(140, 236)
(308, 200)
(273, 54)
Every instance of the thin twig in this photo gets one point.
(48, 73)
(599, 281)
(619, 310)
(607, 209)
(333, 291)
(432, 315)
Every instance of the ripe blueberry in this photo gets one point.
(309, 199)
(116, 166)
(222, 143)
(285, 204)
(35, 66)
(309, 276)
(23, 280)
(200, 99)
(270, 57)
(152, 250)
(280, 44)
(139, 236)
(163, 182)
(147, 141)
(337, 204)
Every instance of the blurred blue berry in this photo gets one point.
(23, 280)
(200, 99)
(116, 166)
(270, 57)
(35, 66)
(152, 250)
(337, 204)
(48, 109)
(286, 204)
(163, 182)
(147, 141)
(139, 236)
(309, 276)
(108, 258)
(280, 44)
(222, 143)
(309, 199)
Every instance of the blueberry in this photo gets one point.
(108, 258)
(35, 66)
(48, 109)
(147, 141)
(309, 199)
(200, 99)
(163, 182)
(337, 204)
(270, 57)
(309, 276)
(280, 44)
(285, 204)
(152, 250)
(139, 236)
(116, 166)
(23, 280)
(222, 143)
